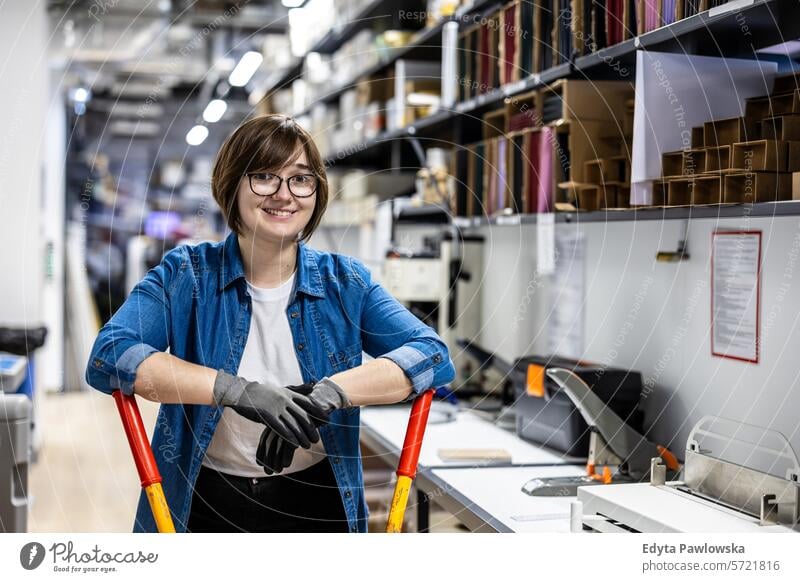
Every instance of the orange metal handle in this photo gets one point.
(414, 435)
(137, 438)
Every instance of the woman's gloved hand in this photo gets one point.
(291, 415)
(274, 454)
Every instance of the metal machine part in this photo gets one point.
(15, 444)
(625, 442)
(737, 477)
(718, 453)
(613, 442)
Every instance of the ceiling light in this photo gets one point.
(81, 95)
(245, 69)
(292, 3)
(197, 135)
(214, 110)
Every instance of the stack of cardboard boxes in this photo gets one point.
(738, 160)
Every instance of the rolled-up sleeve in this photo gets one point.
(389, 330)
(140, 327)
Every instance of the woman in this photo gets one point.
(258, 426)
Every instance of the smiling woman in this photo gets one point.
(259, 418)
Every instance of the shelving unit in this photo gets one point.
(724, 211)
(708, 33)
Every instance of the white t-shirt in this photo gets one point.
(268, 357)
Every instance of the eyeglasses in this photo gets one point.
(266, 184)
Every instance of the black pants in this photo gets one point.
(304, 501)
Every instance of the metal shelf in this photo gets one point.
(722, 211)
(426, 38)
(700, 32)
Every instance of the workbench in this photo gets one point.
(483, 495)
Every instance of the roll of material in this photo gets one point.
(576, 516)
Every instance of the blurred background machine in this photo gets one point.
(440, 284)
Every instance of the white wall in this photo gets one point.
(50, 370)
(23, 109)
(655, 317)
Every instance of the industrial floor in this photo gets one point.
(84, 479)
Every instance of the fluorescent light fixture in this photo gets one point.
(197, 135)
(81, 95)
(292, 3)
(214, 110)
(245, 69)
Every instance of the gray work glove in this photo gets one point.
(290, 414)
(274, 453)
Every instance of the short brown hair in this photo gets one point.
(266, 142)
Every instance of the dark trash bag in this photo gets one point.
(21, 341)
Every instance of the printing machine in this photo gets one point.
(736, 478)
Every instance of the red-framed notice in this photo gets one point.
(736, 294)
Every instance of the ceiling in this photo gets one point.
(152, 67)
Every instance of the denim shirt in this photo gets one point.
(196, 304)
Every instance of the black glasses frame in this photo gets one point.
(280, 183)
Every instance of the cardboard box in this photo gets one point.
(708, 189)
(762, 155)
(717, 158)
(679, 192)
(660, 188)
(697, 137)
(748, 187)
(796, 186)
(577, 142)
(729, 131)
(627, 120)
(611, 170)
(494, 123)
(589, 198)
(783, 128)
(598, 197)
(786, 83)
(672, 164)
(773, 105)
(694, 162)
(623, 196)
(587, 100)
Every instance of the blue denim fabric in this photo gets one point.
(196, 304)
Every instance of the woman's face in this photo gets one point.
(280, 217)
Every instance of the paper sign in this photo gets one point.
(566, 321)
(545, 243)
(735, 289)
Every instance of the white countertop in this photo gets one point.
(498, 491)
(468, 431)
